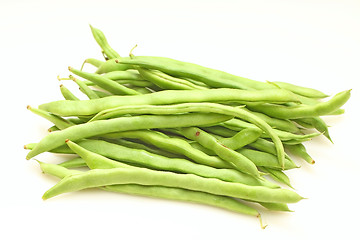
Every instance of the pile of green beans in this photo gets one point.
(164, 128)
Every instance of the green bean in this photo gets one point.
(277, 175)
(111, 66)
(124, 75)
(300, 151)
(317, 123)
(280, 124)
(84, 88)
(90, 107)
(53, 128)
(59, 122)
(276, 206)
(95, 62)
(164, 192)
(98, 154)
(105, 83)
(143, 146)
(67, 94)
(211, 77)
(172, 144)
(303, 91)
(263, 159)
(166, 82)
(242, 138)
(303, 111)
(73, 163)
(77, 132)
(238, 125)
(94, 160)
(142, 176)
(104, 45)
(101, 94)
(239, 161)
(209, 107)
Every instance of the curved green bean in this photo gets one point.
(103, 43)
(164, 192)
(303, 91)
(175, 145)
(240, 162)
(142, 176)
(303, 111)
(101, 154)
(96, 128)
(242, 138)
(104, 83)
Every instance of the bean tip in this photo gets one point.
(25, 147)
(67, 140)
(28, 107)
(70, 68)
(117, 60)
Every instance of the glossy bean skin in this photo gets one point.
(103, 43)
(96, 128)
(211, 77)
(303, 111)
(162, 192)
(104, 83)
(239, 161)
(141, 176)
(90, 107)
(101, 155)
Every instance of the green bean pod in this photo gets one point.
(95, 62)
(172, 144)
(96, 128)
(167, 82)
(240, 162)
(303, 111)
(303, 91)
(103, 43)
(101, 154)
(211, 77)
(164, 192)
(142, 176)
(67, 94)
(105, 83)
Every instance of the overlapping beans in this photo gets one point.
(159, 127)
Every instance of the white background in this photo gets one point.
(309, 43)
